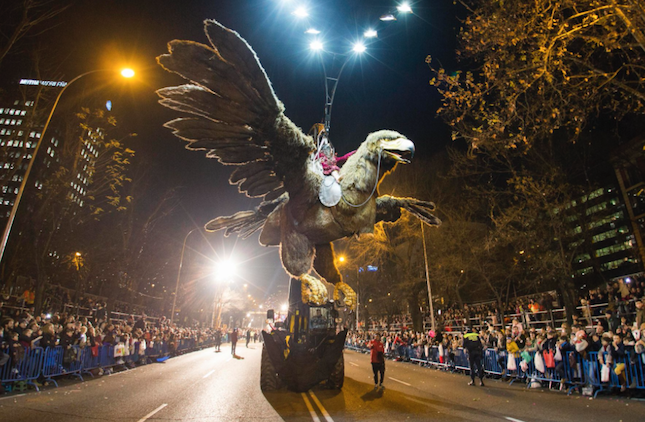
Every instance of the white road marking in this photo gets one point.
(146, 417)
(402, 382)
(312, 412)
(13, 397)
(320, 406)
(113, 374)
(352, 363)
(417, 401)
(209, 374)
(512, 419)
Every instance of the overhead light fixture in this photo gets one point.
(316, 45)
(301, 12)
(370, 33)
(359, 47)
(388, 17)
(404, 8)
(312, 31)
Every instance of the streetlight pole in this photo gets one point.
(425, 257)
(358, 296)
(181, 261)
(14, 209)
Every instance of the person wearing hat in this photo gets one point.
(473, 345)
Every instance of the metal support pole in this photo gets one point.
(358, 297)
(181, 261)
(425, 257)
(331, 83)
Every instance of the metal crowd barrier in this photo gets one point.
(571, 372)
(26, 370)
(59, 361)
(53, 362)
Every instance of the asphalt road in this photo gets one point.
(208, 386)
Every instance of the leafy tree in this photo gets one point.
(82, 181)
(541, 66)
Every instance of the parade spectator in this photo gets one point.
(233, 340)
(377, 359)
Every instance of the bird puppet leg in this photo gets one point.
(297, 254)
(325, 266)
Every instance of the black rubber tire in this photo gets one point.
(269, 380)
(337, 376)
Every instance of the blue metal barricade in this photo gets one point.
(53, 363)
(106, 356)
(491, 363)
(90, 360)
(461, 360)
(59, 361)
(27, 369)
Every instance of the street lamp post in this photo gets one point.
(128, 73)
(425, 258)
(181, 261)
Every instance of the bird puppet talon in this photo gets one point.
(313, 290)
(350, 295)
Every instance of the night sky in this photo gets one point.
(387, 87)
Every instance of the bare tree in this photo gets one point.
(21, 18)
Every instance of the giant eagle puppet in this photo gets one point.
(237, 118)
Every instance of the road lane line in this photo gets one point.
(209, 374)
(512, 419)
(320, 406)
(352, 363)
(417, 401)
(13, 397)
(312, 412)
(146, 417)
(402, 382)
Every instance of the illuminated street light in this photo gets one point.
(127, 73)
(388, 17)
(316, 45)
(370, 33)
(341, 259)
(359, 47)
(404, 8)
(16, 203)
(301, 12)
(225, 270)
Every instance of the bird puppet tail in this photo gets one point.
(245, 223)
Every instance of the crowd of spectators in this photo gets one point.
(610, 321)
(21, 329)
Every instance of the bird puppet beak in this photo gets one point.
(401, 149)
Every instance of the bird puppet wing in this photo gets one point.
(388, 209)
(237, 116)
